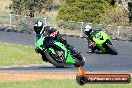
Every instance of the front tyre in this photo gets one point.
(111, 49)
(57, 59)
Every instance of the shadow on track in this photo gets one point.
(41, 67)
(97, 52)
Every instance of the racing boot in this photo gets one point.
(73, 50)
(90, 50)
(92, 47)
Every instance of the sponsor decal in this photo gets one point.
(83, 78)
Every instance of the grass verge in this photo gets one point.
(66, 83)
(18, 55)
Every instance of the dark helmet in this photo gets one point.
(38, 26)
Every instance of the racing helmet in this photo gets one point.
(88, 29)
(38, 26)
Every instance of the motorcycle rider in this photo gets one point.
(89, 32)
(51, 33)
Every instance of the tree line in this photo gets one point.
(93, 11)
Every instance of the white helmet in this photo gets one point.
(87, 28)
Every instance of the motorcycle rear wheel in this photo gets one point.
(79, 60)
(111, 49)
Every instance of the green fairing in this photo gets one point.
(52, 50)
(39, 43)
(68, 56)
(70, 59)
(99, 43)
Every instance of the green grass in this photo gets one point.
(18, 55)
(67, 83)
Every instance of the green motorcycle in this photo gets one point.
(57, 53)
(103, 43)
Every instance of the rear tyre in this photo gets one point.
(79, 61)
(44, 58)
(111, 49)
(57, 60)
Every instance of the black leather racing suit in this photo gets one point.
(48, 31)
(89, 39)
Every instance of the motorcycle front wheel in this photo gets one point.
(57, 59)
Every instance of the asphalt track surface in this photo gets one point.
(94, 62)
